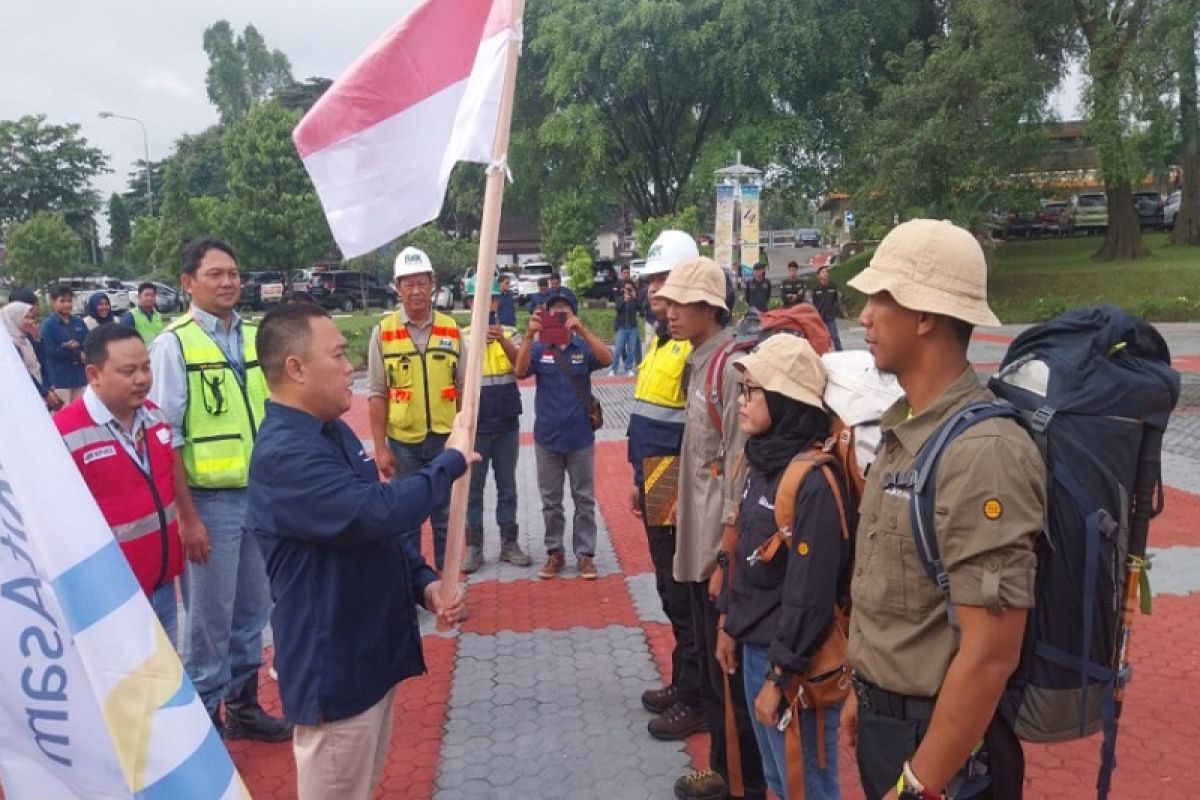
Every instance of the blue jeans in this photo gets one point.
(628, 349)
(500, 451)
(831, 326)
(162, 600)
(409, 459)
(819, 784)
(227, 600)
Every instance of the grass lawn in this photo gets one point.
(1036, 279)
(357, 327)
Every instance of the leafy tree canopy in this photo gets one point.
(42, 248)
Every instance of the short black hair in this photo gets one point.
(144, 285)
(285, 328)
(543, 282)
(760, 265)
(963, 331)
(95, 346)
(61, 290)
(194, 252)
(793, 265)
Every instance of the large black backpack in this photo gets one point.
(1095, 389)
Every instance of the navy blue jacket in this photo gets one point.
(344, 581)
(507, 313)
(64, 367)
(560, 422)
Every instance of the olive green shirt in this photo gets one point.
(708, 488)
(990, 504)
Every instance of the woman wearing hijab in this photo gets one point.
(780, 610)
(99, 311)
(21, 325)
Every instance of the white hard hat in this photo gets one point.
(670, 248)
(411, 261)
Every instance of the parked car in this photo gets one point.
(1150, 209)
(346, 290)
(1055, 217)
(1089, 213)
(1171, 209)
(635, 268)
(87, 285)
(527, 279)
(260, 289)
(604, 280)
(443, 298)
(1007, 223)
(808, 237)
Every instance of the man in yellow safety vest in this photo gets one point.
(414, 375)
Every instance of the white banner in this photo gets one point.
(94, 702)
(723, 235)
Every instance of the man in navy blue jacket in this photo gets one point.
(344, 581)
(62, 336)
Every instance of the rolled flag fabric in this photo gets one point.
(93, 700)
(381, 142)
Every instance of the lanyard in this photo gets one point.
(135, 445)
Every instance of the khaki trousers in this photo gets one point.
(344, 759)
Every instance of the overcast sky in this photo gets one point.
(71, 59)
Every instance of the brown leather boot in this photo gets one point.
(677, 722)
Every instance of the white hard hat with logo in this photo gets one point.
(670, 248)
(412, 261)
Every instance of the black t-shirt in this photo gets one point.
(758, 294)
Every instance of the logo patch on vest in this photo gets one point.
(576, 358)
(447, 343)
(547, 358)
(108, 451)
(164, 436)
(992, 509)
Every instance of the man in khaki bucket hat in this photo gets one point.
(917, 678)
(706, 507)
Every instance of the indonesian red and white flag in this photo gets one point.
(380, 144)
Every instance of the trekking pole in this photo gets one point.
(1136, 583)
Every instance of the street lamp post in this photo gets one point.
(146, 149)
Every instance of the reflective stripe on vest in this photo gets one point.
(422, 396)
(143, 526)
(498, 380)
(223, 415)
(644, 408)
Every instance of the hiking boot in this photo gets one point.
(473, 559)
(245, 718)
(703, 785)
(554, 565)
(513, 554)
(656, 701)
(677, 722)
(587, 568)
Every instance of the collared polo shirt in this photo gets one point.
(561, 421)
(344, 578)
(129, 439)
(900, 635)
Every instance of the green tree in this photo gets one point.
(579, 269)
(271, 213)
(647, 230)
(135, 196)
(450, 255)
(640, 86)
(141, 246)
(570, 219)
(1112, 32)
(42, 248)
(119, 227)
(179, 222)
(242, 70)
(47, 167)
(956, 117)
(1186, 40)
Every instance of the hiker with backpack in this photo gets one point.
(932, 662)
(707, 504)
(788, 575)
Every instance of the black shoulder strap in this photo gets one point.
(923, 490)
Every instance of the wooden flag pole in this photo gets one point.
(485, 268)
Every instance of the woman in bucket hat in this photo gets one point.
(780, 609)
(925, 720)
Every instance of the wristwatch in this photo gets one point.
(777, 678)
(909, 788)
(722, 559)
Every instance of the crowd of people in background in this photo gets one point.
(216, 453)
